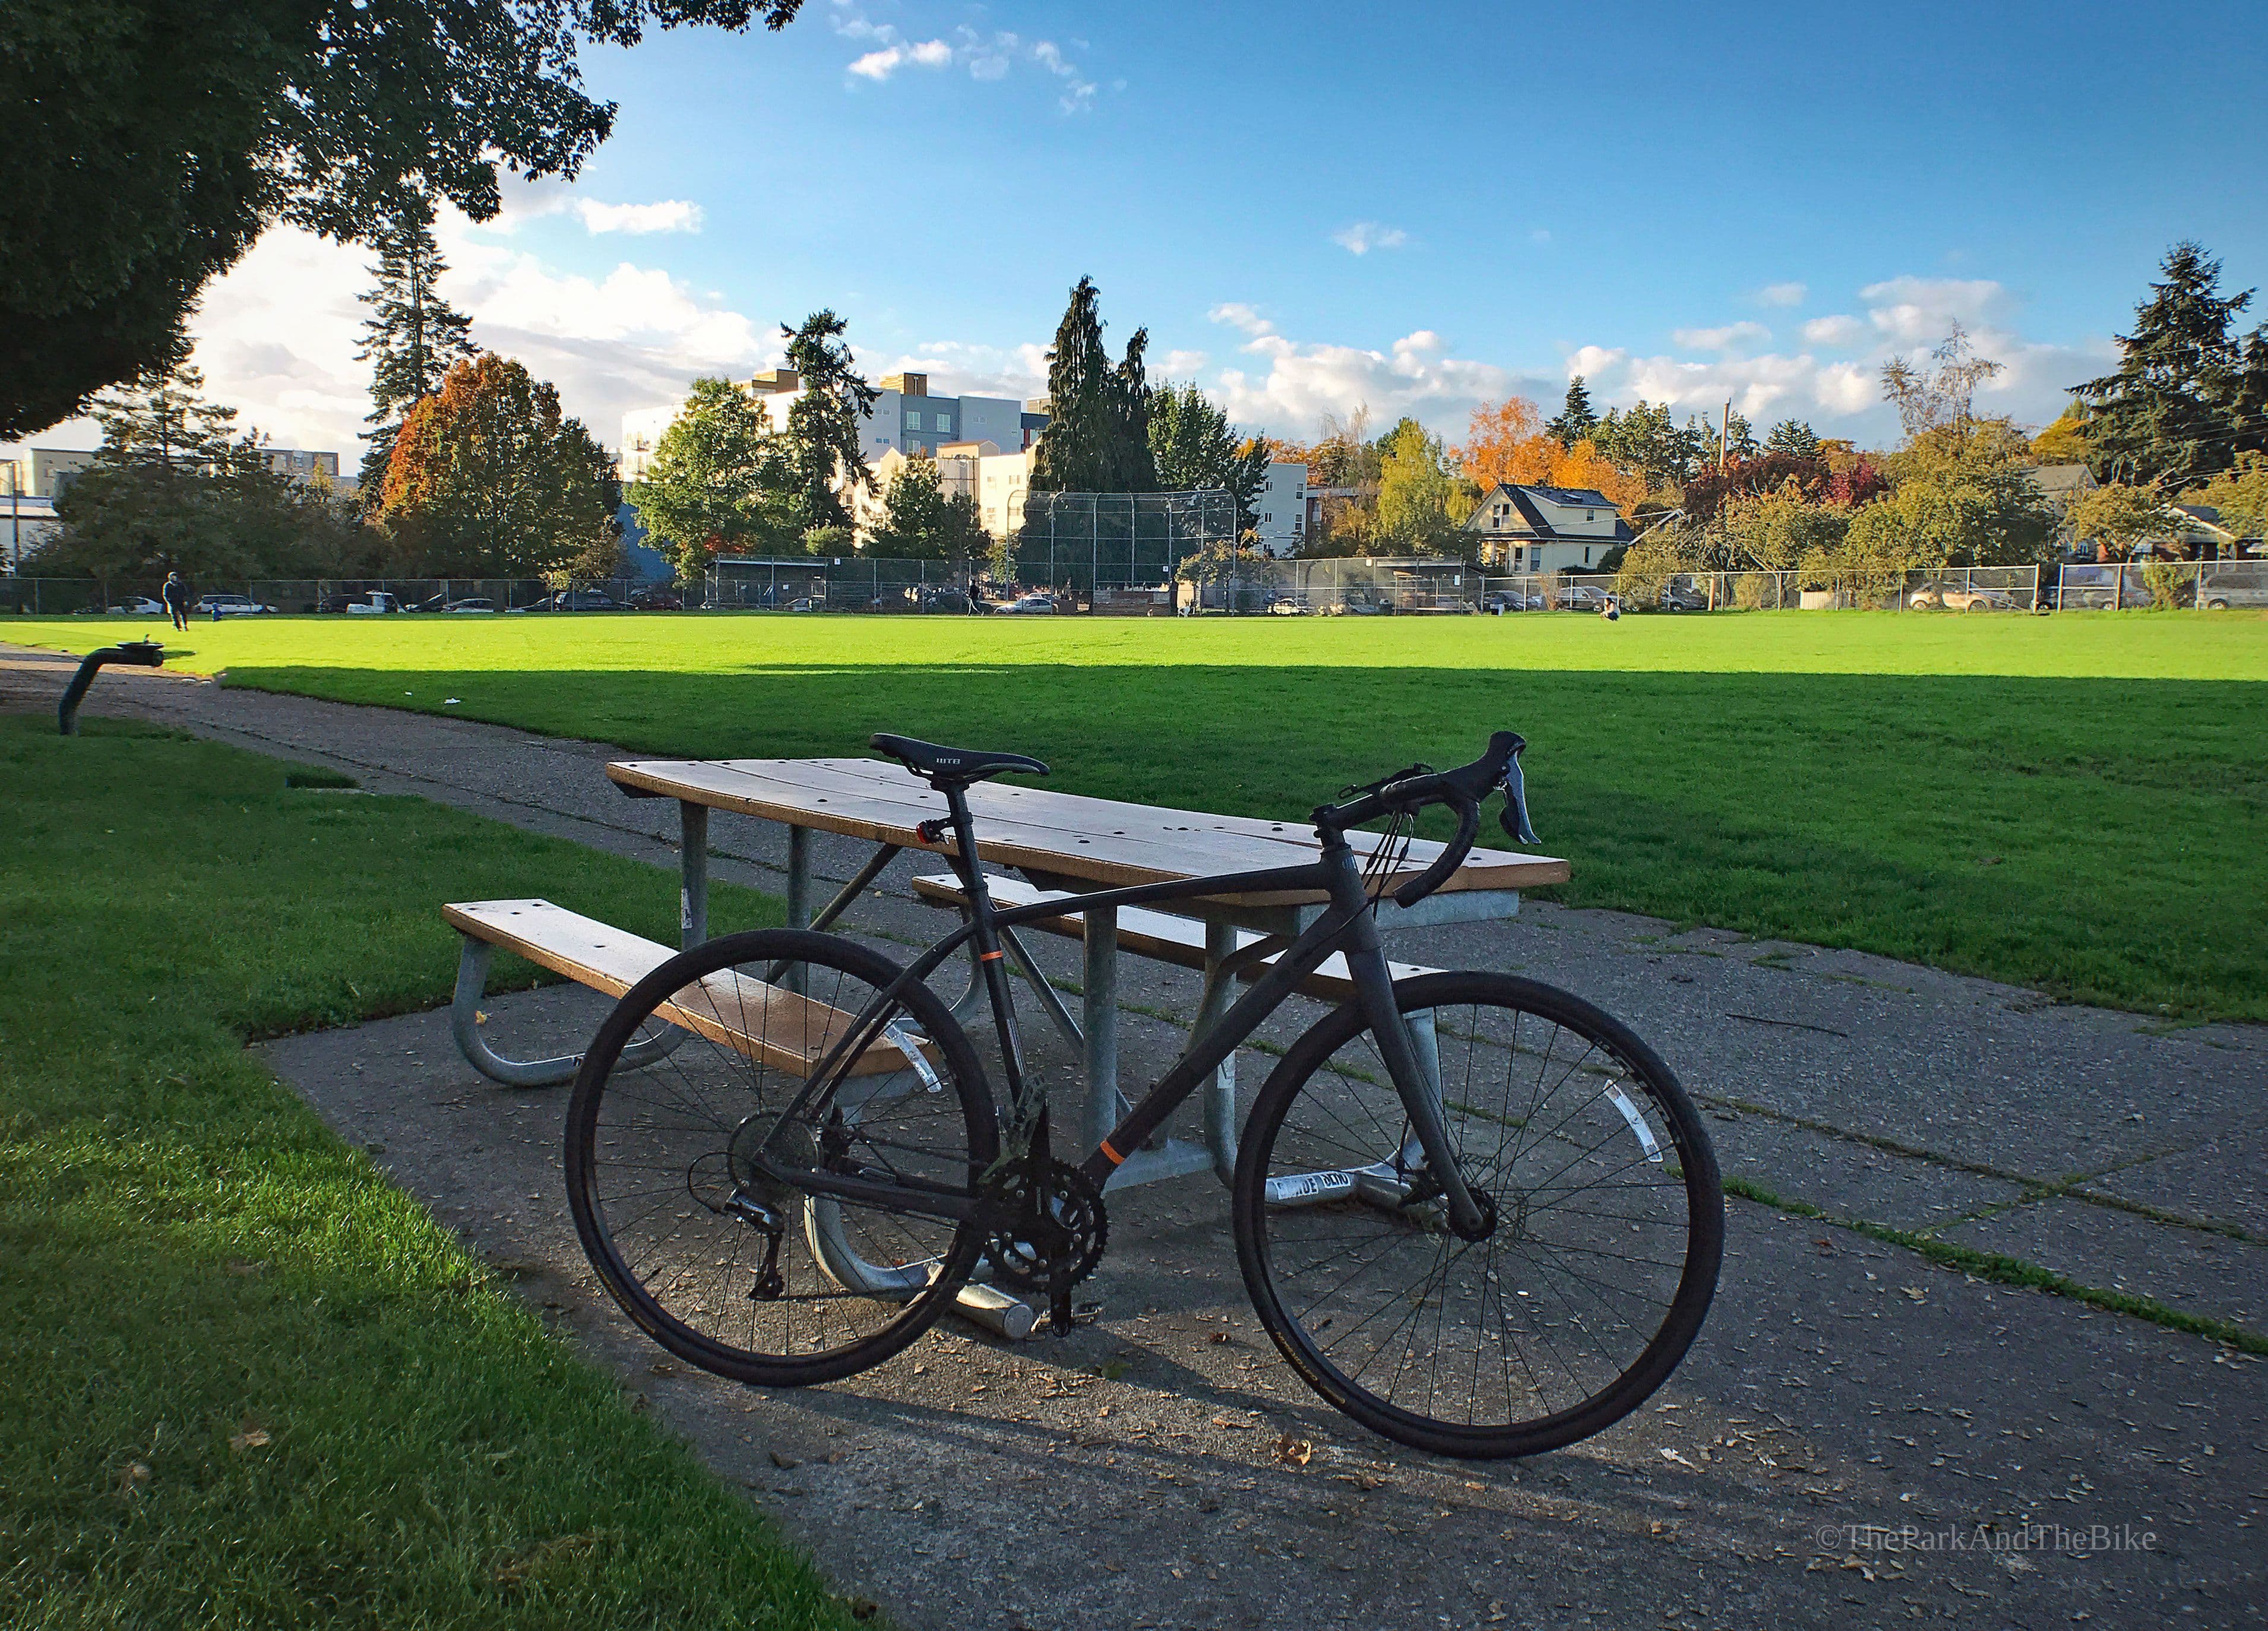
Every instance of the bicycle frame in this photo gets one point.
(1347, 925)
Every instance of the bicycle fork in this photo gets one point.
(1472, 1213)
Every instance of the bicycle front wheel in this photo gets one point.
(700, 1071)
(1608, 1233)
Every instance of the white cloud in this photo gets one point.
(1732, 337)
(1590, 361)
(1782, 294)
(1834, 331)
(1364, 236)
(1182, 365)
(987, 57)
(1540, 235)
(671, 215)
(1301, 383)
(1914, 310)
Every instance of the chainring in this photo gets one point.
(1061, 1228)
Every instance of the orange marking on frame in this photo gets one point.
(991, 957)
(1116, 1158)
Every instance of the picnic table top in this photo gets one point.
(1067, 835)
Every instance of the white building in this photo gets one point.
(1547, 529)
(905, 417)
(1280, 510)
(997, 480)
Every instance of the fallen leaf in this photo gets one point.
(786, 1462)
(1217, 1336)
(1671, 1455)
(1233, 1426)
(132, 1476)
(251, 1438)
(1294, 1451)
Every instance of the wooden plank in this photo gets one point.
(1156, 935)
(764, 1023)
(1102, 840)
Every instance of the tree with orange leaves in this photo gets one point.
(488, 477)
(1507, 441)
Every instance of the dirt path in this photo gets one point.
(1131, 1474)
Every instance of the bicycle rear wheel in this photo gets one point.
(1609, 1232)
(745, 1274)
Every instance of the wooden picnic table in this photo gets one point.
(1061, 842)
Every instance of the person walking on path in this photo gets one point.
(175, 594)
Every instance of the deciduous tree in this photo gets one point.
(488, 478)
(1422, 502)
(2116, 518)
(150, 141)
(1939, 393)
(2240, 495)
(720, 481)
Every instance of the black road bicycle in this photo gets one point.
(1476, 1213)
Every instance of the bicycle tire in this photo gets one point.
(678, 1126)
(1526, 1145)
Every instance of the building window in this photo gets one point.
(913, 421)
(945, 421)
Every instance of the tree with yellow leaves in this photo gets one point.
(1508, 441)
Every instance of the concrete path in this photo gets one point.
(1859, 1438)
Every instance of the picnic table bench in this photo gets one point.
(1059, 845)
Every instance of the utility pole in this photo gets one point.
(1724, 437)
(15, 518)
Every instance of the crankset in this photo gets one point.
(1056, 1232)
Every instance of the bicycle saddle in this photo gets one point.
(960, 765)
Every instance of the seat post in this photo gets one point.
(990, 956)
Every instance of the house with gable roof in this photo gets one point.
(1546, 529)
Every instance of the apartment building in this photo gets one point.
(905, 416)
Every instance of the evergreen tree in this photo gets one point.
(163, 419)
(826, 425)
(1794, 437)
(410, 337)
(1098, 438)
(1577, 420)
(2171, 414)
(1191, 446)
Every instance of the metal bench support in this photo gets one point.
(465, 1025)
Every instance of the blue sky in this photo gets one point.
(1323, 207)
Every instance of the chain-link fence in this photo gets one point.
(1093, 546)
(2209, 585)
(50, 597)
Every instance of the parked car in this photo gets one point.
(1683, 598)
(138, 606)
(1287, 606)
(1029, 606)
(1946, 597)
(657, 598)
(578, 600)
(2098, 588)
(471, 604)
(376, 602)
(944, 600)
(229, 605)
(1588, 598)
(1497, 602)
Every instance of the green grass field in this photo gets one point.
(2077, 803)
(250, 1383)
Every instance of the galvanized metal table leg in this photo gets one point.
(692, 871)
(1220, 1092)
(799, 897)
(799, 878)
(1099, 1023)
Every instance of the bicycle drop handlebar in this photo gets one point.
(1462, 789)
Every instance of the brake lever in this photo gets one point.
(1513, 817)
